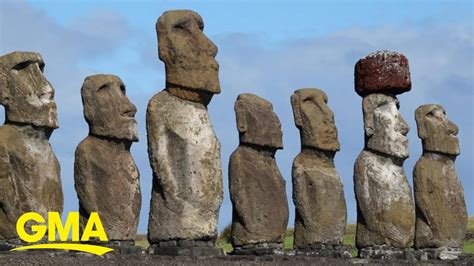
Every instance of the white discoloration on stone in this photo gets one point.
(185, 156)
(384, 126)
(385, 203)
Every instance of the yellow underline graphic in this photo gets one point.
(93, 249)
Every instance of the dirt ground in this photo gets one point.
(70, 258)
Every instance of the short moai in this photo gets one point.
(441, 215)
(385, 206)
(318, 194)
(29, 170)
(257, 188)
(106, 177)
(183, 149)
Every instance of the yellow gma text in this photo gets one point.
(93, 229)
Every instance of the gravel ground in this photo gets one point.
(70, 258)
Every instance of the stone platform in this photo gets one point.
(261, 249)
(327, 251)
(391, 253)
(191, 248)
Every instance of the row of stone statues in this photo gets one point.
(184, 155)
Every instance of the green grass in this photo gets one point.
(349, 238)
(470, 225)
(141, 241)
(469, 246)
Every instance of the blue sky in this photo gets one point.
(269, 48)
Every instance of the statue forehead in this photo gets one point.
(175, 17)
(374, 101)
(427, 108)
(310, 94)
(250, 101)
(422, 111)
(12, 60)
(95, 82)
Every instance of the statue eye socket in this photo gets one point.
(180, 26)
(25, 64)
(105, 86)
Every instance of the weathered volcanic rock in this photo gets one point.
(382, 72)
(187, 176)
(189, 56)
(106, 177)
(29, 170)
(257, 189)
(183, 149)
(385, 207)
(441, 215)
(318, 193)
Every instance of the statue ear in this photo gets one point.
(367, 108)
(86, 104)
(295, 104)
(240, 116)
(420, 116)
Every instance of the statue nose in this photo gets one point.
(403, 126)
(453, 129)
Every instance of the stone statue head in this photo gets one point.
(314, 119)
(24, 91)
(436, 131)
(189, 56)
(256, 122)
(107, 109)
(385, 129)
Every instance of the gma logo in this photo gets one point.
(54, 225)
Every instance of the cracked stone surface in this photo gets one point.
(385, 206)
(29, 170)
(318, 192)
(183, 149)
(105, 174)
(257, 189)
(441, 215)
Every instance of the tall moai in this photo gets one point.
(257, 188)
(183, 149)
(318, 194)
(29, 170)
(106, 177)
(385, 207)
(441, 215)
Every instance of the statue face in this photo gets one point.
(28, 97)
(107, 109)
(189, 56)
(385, 128)
(314, 119)
(437, 132)
(257, 123)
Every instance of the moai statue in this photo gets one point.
(318, 194)
(183, 149)
(29, 171)
(257, 189)
(106, 177)
(385, 207)
(441, 215)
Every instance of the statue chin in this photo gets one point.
(396, 147)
